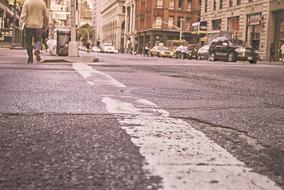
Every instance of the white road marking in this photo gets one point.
(182, 156)
(87, 72)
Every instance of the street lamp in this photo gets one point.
(73, 44)
(13, 45)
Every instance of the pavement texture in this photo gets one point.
(56, 132)
(49, 151)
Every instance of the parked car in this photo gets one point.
(96, 49)
(186, 52)
(231, 50)
(108, 48)
(161, 51)
(179, 51)
(203, 53)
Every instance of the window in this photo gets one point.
(189, 3)
(234, 26)
(205, 5)
(171, 4)
(159, 3)
(214, 4)
(216, 24)
(238, 2)
(230, 3)
(221, 4)
(180, 2)
(171, 22)
(250, 1)
(158, 22)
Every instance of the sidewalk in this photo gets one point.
(19, 56)
(270, 63)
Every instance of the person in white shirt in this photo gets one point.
(282, 52)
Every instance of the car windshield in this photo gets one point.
(163, 48)
(206, 47)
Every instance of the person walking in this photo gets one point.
(146, 50)
(272, 52)
(33, 20)
(282, 52)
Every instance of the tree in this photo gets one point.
(84, 34)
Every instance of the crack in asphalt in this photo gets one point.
(204, 164)
(241, 132)
(216, 109)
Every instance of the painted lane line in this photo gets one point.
(184, 157)
(88, 72)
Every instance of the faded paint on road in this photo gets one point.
(184, 157)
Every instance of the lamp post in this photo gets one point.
(73, 44)
(13, 45)
(180, 29)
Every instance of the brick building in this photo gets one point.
(161, 20)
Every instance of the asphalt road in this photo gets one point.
(68, 126)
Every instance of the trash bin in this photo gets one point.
(63, 39)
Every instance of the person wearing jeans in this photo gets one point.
(33, 20)
(33, 34)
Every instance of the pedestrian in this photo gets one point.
(282, 52)
(272, 52)
(33, 20)
(146, 50)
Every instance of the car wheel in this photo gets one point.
(211, 57)
(178, 55)
(253, 61)
(158, 55)
(231, 57)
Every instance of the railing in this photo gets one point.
(6, 38)
(19, 35)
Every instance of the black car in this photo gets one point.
(231, 50)
(186, 52)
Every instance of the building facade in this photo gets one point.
(254, 21)
(276, 25)
(85, 8)
(163, 20)
(97, 20)
(113, 22)
(130, 31)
